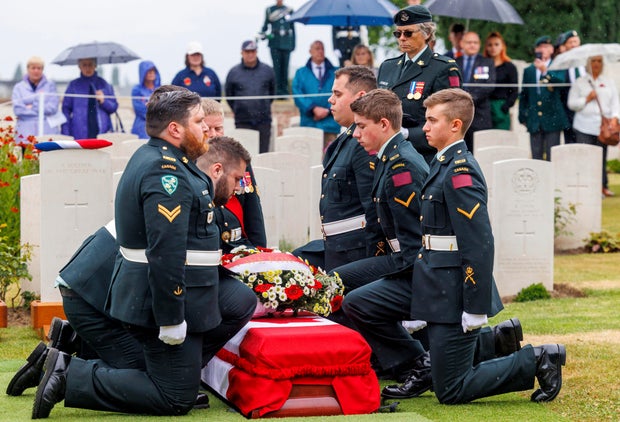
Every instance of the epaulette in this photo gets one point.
(442, 58)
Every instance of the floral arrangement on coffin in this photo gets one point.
(283, 281)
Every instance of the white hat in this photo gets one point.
(194, 47)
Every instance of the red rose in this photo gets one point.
(294, 292)
(260, 288)
(336, 303)
(317, 285)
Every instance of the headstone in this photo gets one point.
(295, 198)
(76, 187)
(130, 146)
(270, 189)
(578, 173)
(309, 132)
(523, 224)
(116, 177)
(117, 139)
(229, 124)
(300, 144)
(316, 175)
(294, 121)
(249, 138)
(30, 228)
(494, 137)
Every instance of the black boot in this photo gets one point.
(51, 389)
(549, 361)
(418, 381)
(508, 335)
(202, 401)
(63, 337)
(29, 375)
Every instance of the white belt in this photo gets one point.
(347, 34)
(439, 243)
(344, 226)
(394, 244)
(197, 258)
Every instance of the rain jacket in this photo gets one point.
(207, 84)
(244, 81)
(140, 95)
(76, 108)
(28, 118)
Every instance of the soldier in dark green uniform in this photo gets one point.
(281, 42)
(453, 273)
(417, 73)
(166, 285)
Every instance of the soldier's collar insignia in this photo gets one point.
(185, 160)
(178, 291)
(165, 148)
(170, 183)
(420, 62)
(442, 159)
(383, 158)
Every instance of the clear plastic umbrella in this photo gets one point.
(578, 56)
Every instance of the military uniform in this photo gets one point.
(281, 42)
(430, 73)
(378, 305)
(166, 273)
(453, 273)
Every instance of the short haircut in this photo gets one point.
(461, 105)
(169, 104)
(380, 104)
(361, 78)
(457, 28)
(224, 150)
(35, 60)
(428, 29)
(212, 107)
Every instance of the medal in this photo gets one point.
(417, 96)
(410, 96)
(415, 90)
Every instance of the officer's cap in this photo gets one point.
(545, 39)
(412, 15)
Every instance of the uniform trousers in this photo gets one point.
(170, 383)
(457, 379)
(541, 143)
(280, 59)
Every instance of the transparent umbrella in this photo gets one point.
(578, 56)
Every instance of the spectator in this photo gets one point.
(455, 35)
(594, 93)
(540, 105)
(479, 77)
(196, 77)
(362, 56)
(149, 81)
(569, 40)
(344, 39)
(316, 77)
(281, 42)
(502, 97)
(88, 103)
(251, 78)
(26, 102)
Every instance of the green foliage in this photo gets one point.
(563, 215)
(14, 260)
(533, 292)
(613, 166)
(602, 242)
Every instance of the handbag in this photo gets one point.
(610, 130)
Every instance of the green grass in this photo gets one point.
(588, 326)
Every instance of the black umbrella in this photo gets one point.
(104, 52)
(487, 10)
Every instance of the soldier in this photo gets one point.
(453, 274)
(417, 73)
(165, 286)
(281, 42)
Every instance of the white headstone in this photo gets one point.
(116, 177)
(295, 198)
(249, 138)
(308, 132)
(270, 189)
(494, 137)
(117, 139)
(523, 224)
(316, 175)
(76, 187)
(300, 144)
(578, 183)
(30, 227)
(130, 146)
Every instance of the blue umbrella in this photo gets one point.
(346, 12)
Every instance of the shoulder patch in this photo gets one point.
(443, 58)
(461, 169)
(170, 183)
(461, 181)
(461, 161)
(394, 157)
(165, 157)
(169, 214)
(399, 165)
(168, 166)
(402, 179)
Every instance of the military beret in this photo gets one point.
(568, 34)
(545, 39)
(412, 15)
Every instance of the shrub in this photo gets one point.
(602, 242)
(533, 292)
(613, 166)
(563, 215)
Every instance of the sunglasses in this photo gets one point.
(407, 34)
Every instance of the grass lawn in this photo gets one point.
(589, 327)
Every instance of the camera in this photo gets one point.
(538, 55)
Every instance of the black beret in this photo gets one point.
(412, 15)
(545, 39)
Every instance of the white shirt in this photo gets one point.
(588, 116)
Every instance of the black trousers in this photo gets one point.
(280, 59)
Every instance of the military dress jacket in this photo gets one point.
(454, 203)
(164, 209)
(231, 232)
(541, 107)
(482, 79)
(345, 193)
(282, 33)
(399, 175)
(432, 72)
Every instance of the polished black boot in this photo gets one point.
(51, 389)
(63, 337)
(418, 381)
(549, 361)
(29, 375)
(202, 401)
(508, 335)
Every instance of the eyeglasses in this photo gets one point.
(407, 34)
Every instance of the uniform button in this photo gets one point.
(321, 218)
(225, 224)
(430, 197)
(421, 217)
(419, 256)
(422, 196)
(374, 199)
(324, 176)
(322, 196)
(540, 113)
(539, 103)
(378, 220)
(334, 175)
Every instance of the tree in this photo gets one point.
(19, 74)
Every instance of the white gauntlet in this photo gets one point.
(173, 334)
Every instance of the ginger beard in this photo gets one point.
(193, 147)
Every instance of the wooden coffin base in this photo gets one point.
(307, 400)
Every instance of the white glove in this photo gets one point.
(173, 334)
(405, 132)
(413, 326)
(472, 321)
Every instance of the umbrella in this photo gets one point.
(104, 52)
(346, 12)
(578, 56)
(487, 10)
